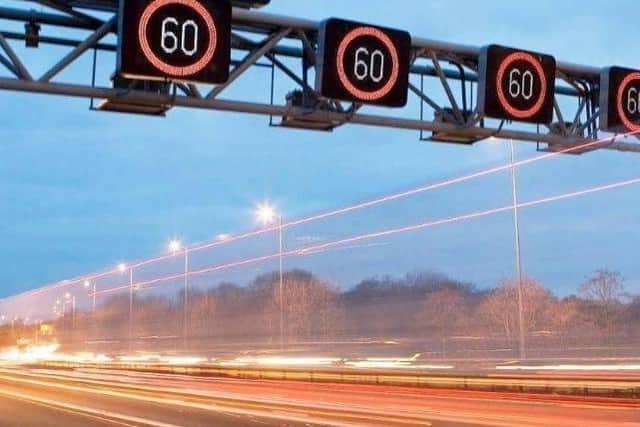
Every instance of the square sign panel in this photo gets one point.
(185, 40)
(362, 63)
(516, 85)
(620, 100)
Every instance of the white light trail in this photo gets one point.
(374, 202)
(383, 233)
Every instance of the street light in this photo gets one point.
(267, 214)
(69, 299)
(122, 268)
(92, 293)
(175, 246)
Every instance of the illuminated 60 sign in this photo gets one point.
(176, 39)
(620, 100)
(516, 85)
(362, 63)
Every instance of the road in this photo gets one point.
(37, 397)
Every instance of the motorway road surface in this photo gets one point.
(70, 398)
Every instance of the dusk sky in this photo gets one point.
(82, 190)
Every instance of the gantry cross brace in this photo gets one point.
(277, 42)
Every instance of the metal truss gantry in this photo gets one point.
(278, 41)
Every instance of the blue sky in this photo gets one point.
(81, 190)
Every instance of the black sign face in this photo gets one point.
(186, 40)
(516, 85)
(362, 63)
(620, 100)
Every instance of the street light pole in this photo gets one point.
(64, 316)
(516, 221)
(267, 214)
(281, 274)
(73, 313)
(130, 308)
(185, 320)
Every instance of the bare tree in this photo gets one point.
(565, 319)
(444, 313)
(604, 290)
(201, 316)
(500, 308)
(605, 287)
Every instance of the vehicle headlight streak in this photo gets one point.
(328, 214)
(314, 249)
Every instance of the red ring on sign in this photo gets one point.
(169, 69)
(515, 112)
(623, 115)
(342, 75)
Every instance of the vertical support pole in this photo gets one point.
(516, 222)
(93, 302)
(130, 309)
(281, 280)
(185, 320)
(65, 330)
(421, 105)
(93, 75)
(272, 90)
(94, 321)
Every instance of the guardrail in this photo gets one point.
(539, 384)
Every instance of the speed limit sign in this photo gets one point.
(620, 100)
(187, 40)
(363, 63)
(516, 84)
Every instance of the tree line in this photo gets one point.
(425, 312)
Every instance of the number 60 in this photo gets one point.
(633, 100)
(170, 36)
(374, 69)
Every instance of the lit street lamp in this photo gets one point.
(267, 214)
(174, 246)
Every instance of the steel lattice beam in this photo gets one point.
(276, 34)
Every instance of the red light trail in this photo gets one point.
(340, 211)
(313, 249)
